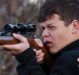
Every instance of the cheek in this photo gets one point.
(57, 36)
(54, 35)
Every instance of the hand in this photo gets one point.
(17, 48)
(39, 55)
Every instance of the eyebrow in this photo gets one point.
(47, 25)
(50, 24)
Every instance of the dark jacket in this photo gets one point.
(66, 63)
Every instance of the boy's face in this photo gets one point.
(56, 34)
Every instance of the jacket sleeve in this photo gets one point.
(28, 64)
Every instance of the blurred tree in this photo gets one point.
(15, 11)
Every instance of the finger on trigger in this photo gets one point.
(40, 56)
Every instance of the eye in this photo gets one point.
(43, 28)
(51, 27)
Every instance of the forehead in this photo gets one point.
(51, 20)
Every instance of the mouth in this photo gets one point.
(48, 44)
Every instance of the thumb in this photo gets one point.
(39, 42)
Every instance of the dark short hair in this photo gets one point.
(67, 10)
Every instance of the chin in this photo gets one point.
(52, 50)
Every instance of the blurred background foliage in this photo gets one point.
(12, 12)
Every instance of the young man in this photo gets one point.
(60, 22)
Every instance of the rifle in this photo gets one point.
(27, 31)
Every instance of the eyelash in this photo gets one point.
(51, 27)
(43, 28)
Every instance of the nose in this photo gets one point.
(45, 33)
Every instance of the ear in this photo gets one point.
(75, 26)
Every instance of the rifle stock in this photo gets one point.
(11, 40)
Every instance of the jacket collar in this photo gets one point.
(69, 47)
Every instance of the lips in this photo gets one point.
(48, 44)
